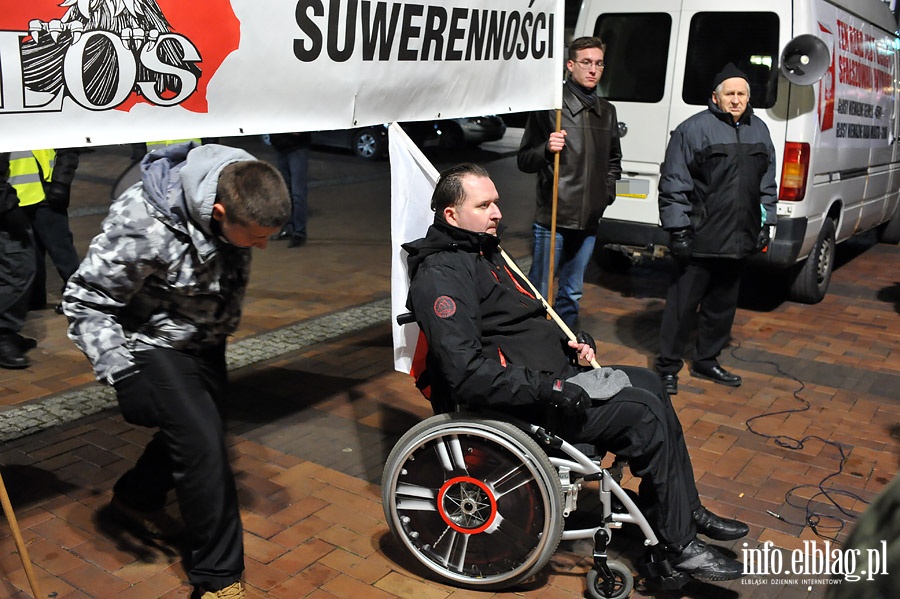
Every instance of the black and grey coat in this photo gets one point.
(718, 179)
(158, 274)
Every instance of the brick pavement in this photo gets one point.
(326, 410)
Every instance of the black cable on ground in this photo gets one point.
(818, 521)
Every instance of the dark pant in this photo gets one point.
(189, 454)
(640, 425)
(294, 167)
(16, 275)
(52, 236)
(712, 285)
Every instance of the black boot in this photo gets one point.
(720, 529)
(11, 355)
(704, 562)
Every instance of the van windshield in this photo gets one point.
(637, 49)
(747, 39)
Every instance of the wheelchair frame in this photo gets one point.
(480, 501)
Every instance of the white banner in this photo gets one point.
(97, 72)
(413, 178)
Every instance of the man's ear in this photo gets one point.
(715, 99)
(450, 216)
(218, 212)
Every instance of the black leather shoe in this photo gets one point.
(280, 236)
(297, 242)
(704, 562)
(11, 355)
(25, 343)
(720, 529)
(717, 374)
(670, 382)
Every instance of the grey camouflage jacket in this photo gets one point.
(158, 275)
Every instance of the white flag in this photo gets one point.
(413, 179)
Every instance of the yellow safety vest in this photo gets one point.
(27, 173)
(158, 145)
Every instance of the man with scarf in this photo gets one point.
(590, 163)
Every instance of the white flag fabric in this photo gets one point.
(413, 179)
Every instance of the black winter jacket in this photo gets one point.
(589, 165)
(715, 176)
(489, 339)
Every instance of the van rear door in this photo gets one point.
(640, 59)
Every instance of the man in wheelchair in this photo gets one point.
(492, 346)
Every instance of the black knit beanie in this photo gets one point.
(727, 73)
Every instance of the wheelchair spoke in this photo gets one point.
(454, 556)
(505, 481)
(416, 498)
(450, 455)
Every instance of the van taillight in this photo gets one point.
(794, 171)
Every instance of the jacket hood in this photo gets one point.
(444, 237)
(180, 181)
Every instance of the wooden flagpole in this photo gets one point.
(20, 542)
(550, 294)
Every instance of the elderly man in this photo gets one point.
(717, 198)
(490, 344)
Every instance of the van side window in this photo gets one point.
(748, 39)
(637, 49)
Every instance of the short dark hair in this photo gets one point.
(583, 43)
(449, 190)
(253, 192)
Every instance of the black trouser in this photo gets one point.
(52, 236)
(189, 454)
(640, 425)
(712, 285)
(16, 275)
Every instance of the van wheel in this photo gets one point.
(890, 231)
(811, 280)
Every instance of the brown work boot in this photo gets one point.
(232, 591)
(153, 525)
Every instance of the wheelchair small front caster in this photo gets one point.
(618, 586)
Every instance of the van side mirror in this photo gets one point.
(805, 59)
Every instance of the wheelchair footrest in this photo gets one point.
(659, 575)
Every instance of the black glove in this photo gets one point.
(15, 224)
(585, 337)
(570, 398)
(681, 242)
(136, 400)
(763, 239)
(57, 195)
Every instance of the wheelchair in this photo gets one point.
(481, 501)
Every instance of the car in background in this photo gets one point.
(371, 143)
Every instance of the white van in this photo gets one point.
(822, 77)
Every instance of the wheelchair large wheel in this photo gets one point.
(476, 501)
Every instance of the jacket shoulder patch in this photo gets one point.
(444, 306)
